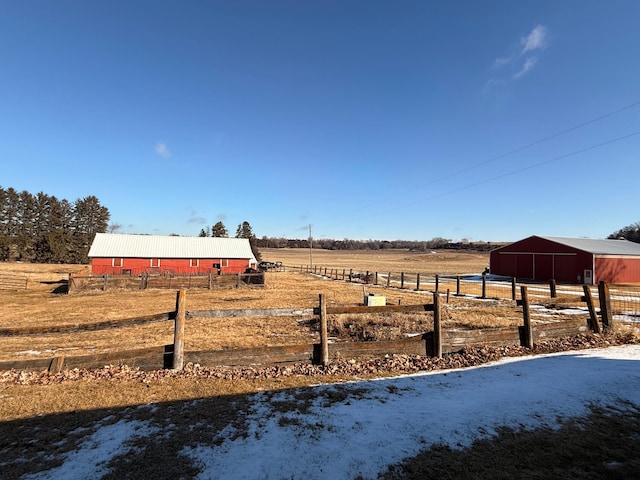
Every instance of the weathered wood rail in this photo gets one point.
(13, 282)
(144, 281)
(434, 343)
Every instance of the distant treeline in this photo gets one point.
(42, 228)
(413, 245)
(630, 232)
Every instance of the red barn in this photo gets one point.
(135, 254)
(569, 260)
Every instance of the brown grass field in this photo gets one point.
(39, 306)
(46, 412)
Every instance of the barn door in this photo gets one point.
(588, 277)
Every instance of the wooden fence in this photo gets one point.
(624, 299)
(144, 281)
(434, 343)
(13, 282)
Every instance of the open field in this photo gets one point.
(38, 306)
(441, 262)
(59, 416)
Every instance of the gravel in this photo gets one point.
(389, 364)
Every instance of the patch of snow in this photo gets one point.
(96, 451)
(394, 418)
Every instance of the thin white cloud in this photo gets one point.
(536, 40)
(162, 150)
(523, 57)
(529, 63)
(499, 62)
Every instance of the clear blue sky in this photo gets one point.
(364, 119)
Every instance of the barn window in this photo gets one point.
(225, 262)
(155, 262)
(195, 262)
(116, 262)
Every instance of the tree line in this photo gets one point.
(42, 228)
(630, 232)
(244, 230)
(437, 243)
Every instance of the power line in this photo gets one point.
(529, 167)
(512, 152)
(508, 174)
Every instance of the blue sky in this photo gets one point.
(489, 121)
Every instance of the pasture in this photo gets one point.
(49, 409)
(39, 306)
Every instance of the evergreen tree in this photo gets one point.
(244, 230)
(89, 218)
(202, 233)
(630, 232)
(219, 230)
(42, 228)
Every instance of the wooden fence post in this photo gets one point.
(526, 317)
(552, 288)
(458, 285)
(605, 305)
(437, 328)
(401, 280)
(351, 274)
(210, 281)
(104, 286)
(389, 280)
(178, 332)
(56, 365)
(324, 341)
(448, 294)
(376, 279)
(70, 284)
(484, 285)
(593, 315)
(513, 288)
(343, 274)
(438, 283)
(418, 281)
(366, 278)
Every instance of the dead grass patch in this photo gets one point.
(604, 444)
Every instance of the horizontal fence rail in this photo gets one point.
(144, 281)
(440, 341)
(625, 299)
(13, 282)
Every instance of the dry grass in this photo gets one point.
(38, 306)
(604, 444)
(382, 261)
(47, 413)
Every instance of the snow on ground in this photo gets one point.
(345, 430)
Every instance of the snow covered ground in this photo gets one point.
(343, 430)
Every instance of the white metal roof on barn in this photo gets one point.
(599, 246)
(156, 246)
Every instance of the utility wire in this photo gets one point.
(508, 174)
(529, 145)
(517, 150)
(529, 167)
(514, 151)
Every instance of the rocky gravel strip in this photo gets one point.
(386, 365)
